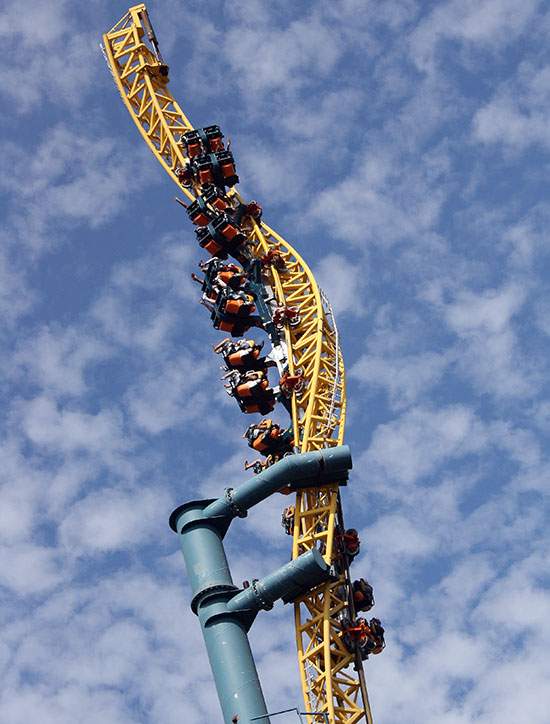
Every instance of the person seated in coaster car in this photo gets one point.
(212, 139)
(217, 277)
(232, 277)
(200, 213)
(360, 637)
(215, 168)
(267, 437)
(185, 175)
(231, 303)
(200, 141)
(259, 465)
(286, 314)
(376, 638)
(348, 542)
(191, 143)
(236, 303)
(287, 519)
(210, 244)
(220, 275)
(240, 375)
(363, 595)
(232, 311)
(235, 326)
(206, 207)
(254, 211)
(220, 236)
(275, 259)
(252, 391)
(243, 211)
(226, 228)
(216, 197)
(291, 383)
(242, 355)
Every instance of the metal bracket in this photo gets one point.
(324, 714)
(234, 507)
(265, 605)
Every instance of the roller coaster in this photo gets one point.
(254, 279)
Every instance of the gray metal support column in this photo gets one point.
(232, 663)
(224, 632)
(225, 612)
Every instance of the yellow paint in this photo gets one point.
(329, 681)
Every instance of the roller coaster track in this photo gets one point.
(332, 677)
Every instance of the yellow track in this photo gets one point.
(329, 681)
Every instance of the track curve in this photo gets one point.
(332, 677)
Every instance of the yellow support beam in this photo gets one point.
(329, 681)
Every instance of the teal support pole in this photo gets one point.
(288, 583)
(232, 662)
(225, 633)
(295, 471)
(226, 612)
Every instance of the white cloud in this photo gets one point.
(344, 283)
(87, 642)
(67, 178)
(282, 60)
(68, 703)
(72, 475)
(56, 359)
(519, 591)
(525, 239)
(374, 205)
(272, 175)
(406, 379)
(502, 121)
(16, 298)
(30, 569)
(109, 520)
(130, 320)
(173, 395)
(52, 58)
(336, 110)
(417, 443)
(395, 536)
(490, 24)
(35, 24)
(67, 430)
(21, 486)
(517, 114)
(488, 312)
(491, 353)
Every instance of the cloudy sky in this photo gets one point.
(402, 148)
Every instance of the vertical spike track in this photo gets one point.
(330, 682)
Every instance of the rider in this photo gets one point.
(267, 437)
(251, 390)
(287, 519)
(259, 465)
(363, 595)
(362, 637)
(242, 354)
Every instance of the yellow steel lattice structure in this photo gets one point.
(332, 680)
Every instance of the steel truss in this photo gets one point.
(332, 678)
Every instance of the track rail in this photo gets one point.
(332, 680)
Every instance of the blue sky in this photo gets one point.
(402, 148)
